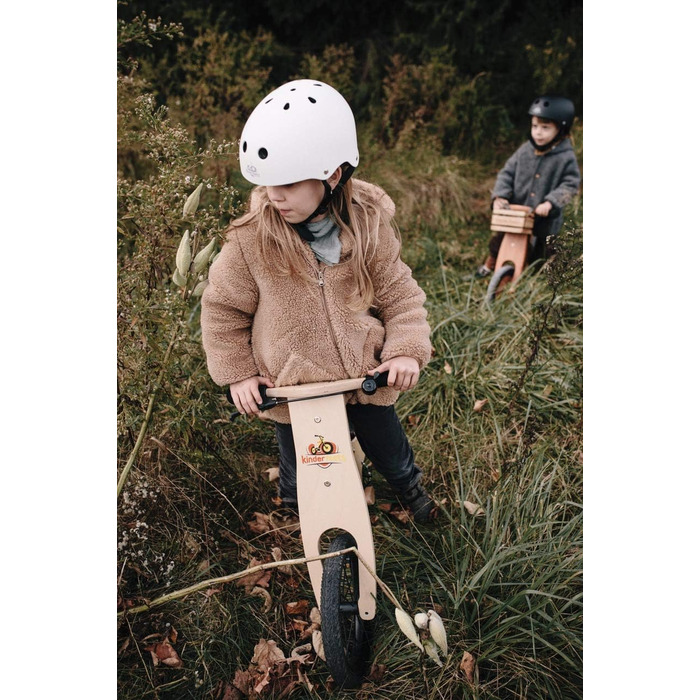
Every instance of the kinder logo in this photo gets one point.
(252, 170)
(323, 453)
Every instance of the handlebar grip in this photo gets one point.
(375, 381)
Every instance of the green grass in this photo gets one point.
(508, 582)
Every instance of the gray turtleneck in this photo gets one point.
(326, 243)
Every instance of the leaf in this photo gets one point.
(298, 607)
(164, 653)
(473, 508)
(369, 495)
(317, 641)
(261, 524)
(479, 405)
(273, 473)
(448, 368)
(467, 665)
(262, 593)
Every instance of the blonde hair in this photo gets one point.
(359, 218)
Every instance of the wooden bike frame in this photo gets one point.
(516, 224)
(329, 481)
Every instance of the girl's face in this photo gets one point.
(543, 131)
(295, 202)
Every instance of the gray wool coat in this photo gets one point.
(531, 179)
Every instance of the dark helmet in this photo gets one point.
(558, 109)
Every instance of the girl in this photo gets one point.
(310, 285)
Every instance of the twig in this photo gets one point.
(183, 592)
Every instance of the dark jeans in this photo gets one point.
(380, 435)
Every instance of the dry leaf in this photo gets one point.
(376, 672)
(257, 578)
(479, 404)
(467, 665)
(261, 524)
(298, 607)
(164, 653)
(315, 616)
(473, 508)
(277, 555)
(262, 593)
(369, 495)
(317, 641)
(413, 420)
(448, 368)
(273, 473)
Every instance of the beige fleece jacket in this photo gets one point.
(295, 331)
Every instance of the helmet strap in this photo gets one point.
(322, 208)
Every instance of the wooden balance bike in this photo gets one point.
(331, 500)
(516, 224)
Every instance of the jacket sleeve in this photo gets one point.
(228, 306)
(505, 180)
(399, 303)
(568, 186)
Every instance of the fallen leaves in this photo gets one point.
(473, 508)
(479, 405)
(270, 673)
(467, 665)
(162, 650)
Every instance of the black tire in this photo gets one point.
(503, 275)
(345, 634)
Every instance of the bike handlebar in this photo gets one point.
(371, 383)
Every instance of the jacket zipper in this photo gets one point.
(321, 284)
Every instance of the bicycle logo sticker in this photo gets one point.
(322, 453)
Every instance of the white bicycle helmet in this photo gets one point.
(302, 130)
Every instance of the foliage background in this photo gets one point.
(440, 91)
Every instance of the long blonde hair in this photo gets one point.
(359, 218)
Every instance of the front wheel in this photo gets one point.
(345, 634)
(500, 278)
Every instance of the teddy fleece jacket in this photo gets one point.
(531, 179)
(293, 331)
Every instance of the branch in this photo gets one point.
(183, 592)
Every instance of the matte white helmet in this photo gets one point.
(302, 130)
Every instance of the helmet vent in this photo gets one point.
(546, 103)
(262, 153)
(245, 146)
(311, 99)
(287, 106)
(270, 100)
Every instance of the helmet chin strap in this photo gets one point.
(322, 208)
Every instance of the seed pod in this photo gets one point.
(214, 257)
(317, 641)
(183, 258)
(437, 630)
(179, 280)
(192, 202)
(202, 258)
(198, 291)
(406, 625)
(432, 651)
(421, 620)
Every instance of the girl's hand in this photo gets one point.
(246, 394)
(543, 209)
(403, 372)
(501, 203)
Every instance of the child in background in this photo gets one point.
(310, 285)
(542, 174)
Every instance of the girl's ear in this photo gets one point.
(334, 179)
